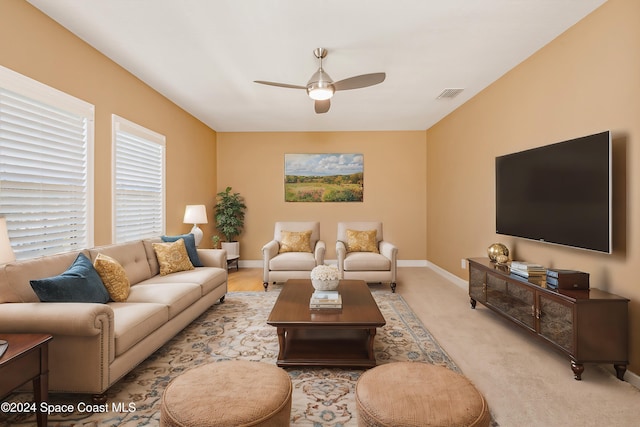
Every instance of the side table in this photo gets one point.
(232, 259)
(26, 359)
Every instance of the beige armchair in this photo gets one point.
(295, 249)
(364, 255)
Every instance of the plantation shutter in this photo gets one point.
(138, 182)
(44, 168)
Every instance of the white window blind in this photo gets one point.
(46, 149)
(139, 170)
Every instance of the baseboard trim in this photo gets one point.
(464, 284)
(250, 263)
(257, 263)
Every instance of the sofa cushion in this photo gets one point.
(366, 261)
(175, 296)
(79, 283)
(208, 278)
(172, 257)
(17, 275)
(362, 241)
(190, 245)
(295, 241)
(292, 261)
(134, 322)
(151, 255)
(131, 256)
(113, 276)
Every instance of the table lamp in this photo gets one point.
(195, 214)
(6, 252)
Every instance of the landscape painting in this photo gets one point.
(328, 177)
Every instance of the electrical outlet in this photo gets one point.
(463, 263)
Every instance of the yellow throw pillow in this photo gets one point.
(172, 257)
(113, 276)
(362, 241)
(295, 241)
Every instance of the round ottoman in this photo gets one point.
(418, 394)
(229, 393)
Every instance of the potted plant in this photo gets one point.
(230, 210)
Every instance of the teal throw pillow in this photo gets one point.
(190, 244)
(80, 283)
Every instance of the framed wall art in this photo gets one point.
(331, 177)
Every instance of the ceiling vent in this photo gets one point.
(449, 93)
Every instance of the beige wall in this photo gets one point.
(36, 46)
(394, 185)
(586, 81)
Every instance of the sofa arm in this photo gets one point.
(341, 252)
(213, 257)
(57, 318)
(389, 250)
(319, 252)
(268, 251)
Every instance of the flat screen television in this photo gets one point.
(559, 193)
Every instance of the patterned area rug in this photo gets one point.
(237, 329)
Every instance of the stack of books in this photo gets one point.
(527, 269)
(325, 299)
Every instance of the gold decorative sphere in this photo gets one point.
(497, 249)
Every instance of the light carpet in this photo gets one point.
(237, 330)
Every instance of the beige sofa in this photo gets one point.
(95, 345)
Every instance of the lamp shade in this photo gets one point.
(6, 252)
(195, 214)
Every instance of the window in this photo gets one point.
(46, 167)
(139, 169)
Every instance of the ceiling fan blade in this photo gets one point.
(262, 82)
(322, 106)
(357, 82)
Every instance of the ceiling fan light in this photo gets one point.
(320, 92)
(320, 86)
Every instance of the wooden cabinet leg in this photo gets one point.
(620, 370)
(472, 302)
(578, 369)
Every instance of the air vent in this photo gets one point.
(449, 93)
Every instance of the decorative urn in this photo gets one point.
(497, 249)
(325, 277)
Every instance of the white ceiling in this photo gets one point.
(205, 54)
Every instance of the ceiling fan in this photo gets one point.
(321, 88)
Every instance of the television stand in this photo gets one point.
(589, 326)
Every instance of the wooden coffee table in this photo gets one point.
(326, 337)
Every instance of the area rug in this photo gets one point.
(237, 330)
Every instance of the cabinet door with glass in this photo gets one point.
(477, 286)
(555, 321)
(512, 298)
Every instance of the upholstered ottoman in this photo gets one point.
(418, 394)
(229, 393)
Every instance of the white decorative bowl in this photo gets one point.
(325, 285)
